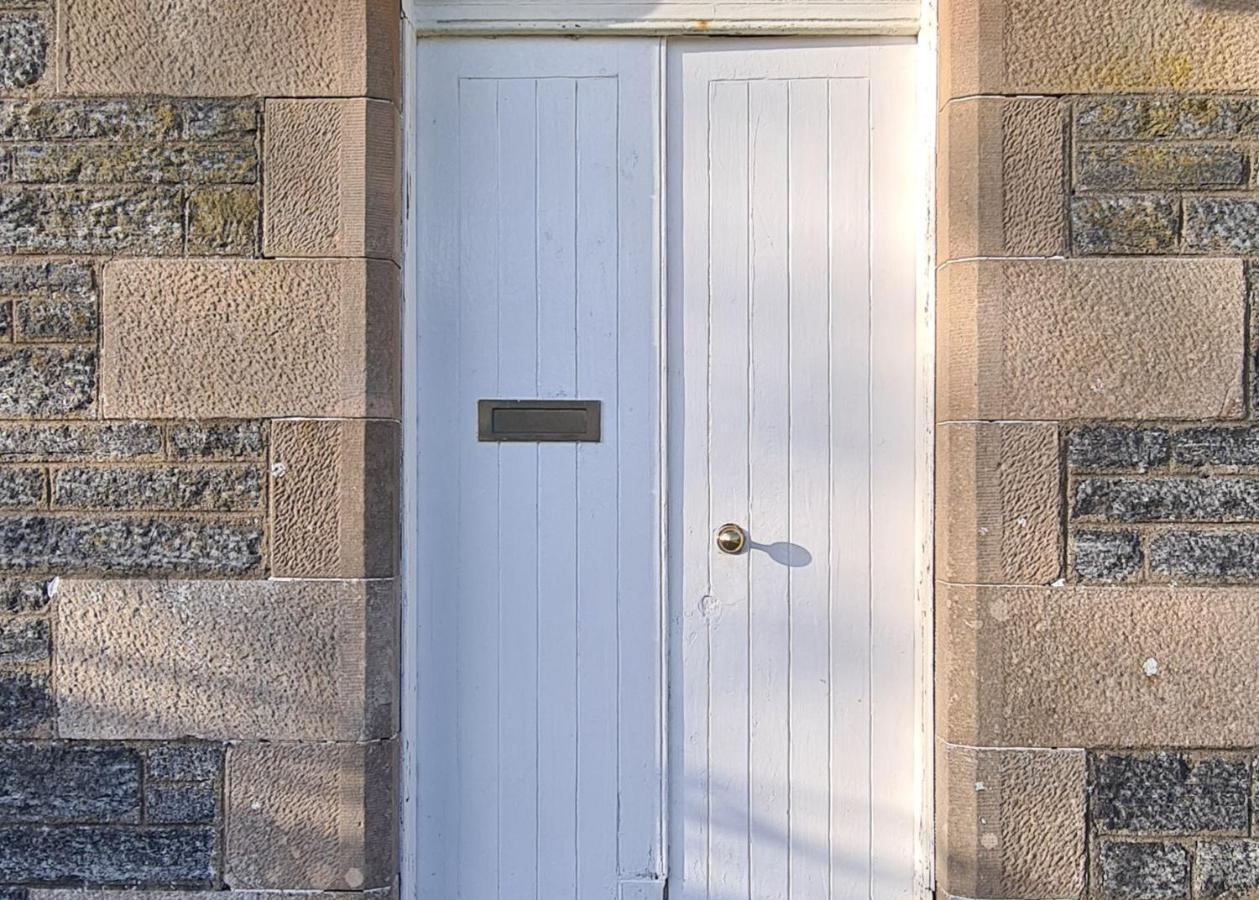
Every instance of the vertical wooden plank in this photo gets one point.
(478, 561)
(728, 476)
(809, 396)
(771, 562)
(518, 493)
(849, 199)
(557, 500)
(598, 526)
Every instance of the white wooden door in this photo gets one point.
(792, 256)
(538, 567)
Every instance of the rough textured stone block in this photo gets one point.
(1226, 869)
(1144, 871)
(108, 855)
(61, 544)
(1167, 499)
(217, 440)
(56, 319)
(1154, 117)
(22, 488)
(135, 119)
(999, 515)
(1170, 793)
(81, 894)
(1106, 556)
(333, 183)
(25, 40)
(223, 222)
(1124, 225)
(186, 804)
(227, 660)
(1117, 447)
(1097, 666)
(47, 382)
(68, 783)
(240, 339)
(204, 488)
(1221, 225)
(335, 499)
(26, 704)
(314, 817)
(26, 279)
(131, 221)
(299, 48)
(86, 441)
(25, 641)
(1206, 555)
(134, 163)
(1061, 339)
(1010, 823)
(19, 597)
(185, 762)
(1148, 167)
(1216, 445)
(1066, 47)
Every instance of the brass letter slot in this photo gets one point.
(531, 421)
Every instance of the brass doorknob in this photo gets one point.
(731, 539)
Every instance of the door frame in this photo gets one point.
(414, 29)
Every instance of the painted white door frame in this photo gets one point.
(414, 28)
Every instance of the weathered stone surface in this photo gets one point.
(1197, 499)
(25, 641)
(223, 222)
(1153, 117)
(1141, 666)
(27, 279)
(1107, 556)
(86, 441)
(134, 163)
(81, 894)
(1221, 225)
(185, 762)
(335, 499)
(1216, 446)
(56, 319)
(1063, 339)
(26, 703)
(233, 339)
(317, 816)
(1206, 555)
(194, 803)
(1170, 793)
(22, 488)
(1124, 225)
(300, 48)
(131, 545)
(206, 488)
(46, 381)
(1117, 447)
(131, 120)
(18, 596)
(95, 220)
(6, 321)
(107, 855)
(247, 660)
(1010, 823)
(218, 119)
(1226, 869)
(1144, 871)
(217, 440)
(56, 783)
(333, 183)
(1144, 167)
(24, 43)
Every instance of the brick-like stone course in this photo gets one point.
(1144, 871)
(1226, 869)
(210, 489)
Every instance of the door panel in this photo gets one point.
(541, 706)
(792, 414)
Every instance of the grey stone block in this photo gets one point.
(108, 855)
(57, 319)
(1154, 117)
(1107, 556)
(95, 220)
(1221, 225)
(1219, 445)
(1144, 871)
(26, 703)
(25, 641)
(127, 545)
(46, 382)
(26, 279)
(1195, 499)
(1226, 869)
(218, 119)
(80, 442)
(57, 783)
(177, 488)
(185, 762)
(1124, 225)
(1168, 793)
(1206, 555)
(189, 803)
(127, 120)
(1117, 447)
(218, 440)
(124, 163)
(19, 596)
(6, 321)
(21, 488)
(1143, 167)
(23, 50)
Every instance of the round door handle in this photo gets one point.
(731, 539)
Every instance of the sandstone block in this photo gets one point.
(1063, 339)
(223, 221)
(250, 339)
(244, 660)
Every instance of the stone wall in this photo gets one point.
(199, 389)
(1097, 609)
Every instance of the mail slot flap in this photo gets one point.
(538, 420)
